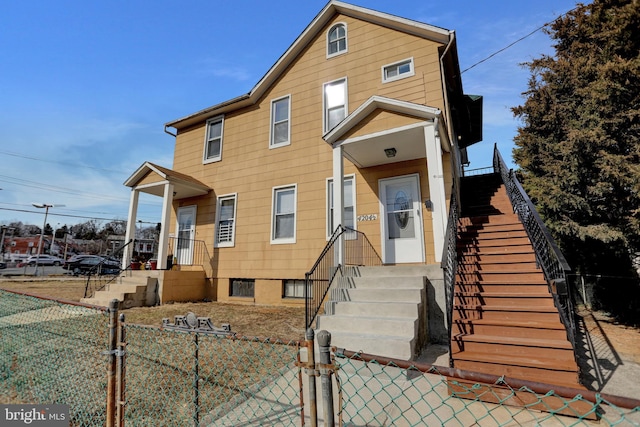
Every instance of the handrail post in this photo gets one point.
(311, 372)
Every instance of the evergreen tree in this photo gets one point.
(579, 144)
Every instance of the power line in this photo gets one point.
(51, 214)
(76, 165)
(517, 41)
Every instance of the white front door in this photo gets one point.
(185, 235)
(401, 220)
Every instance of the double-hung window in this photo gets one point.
(280, 122)
(335, 103)
(283, 226)
(348, 208)
(398, 70)
(226, 221)
(213, 140)
(337, 40)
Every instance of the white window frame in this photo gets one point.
(206, 140)
(346, 39)
(219, 200)
(272, 121)
(274, 193)
(329, 188)
(397, 65)
(295, 285)
(325, 109)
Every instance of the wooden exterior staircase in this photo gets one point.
(504, 320)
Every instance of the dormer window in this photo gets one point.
(337, 40)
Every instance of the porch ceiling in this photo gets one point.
(370, 151)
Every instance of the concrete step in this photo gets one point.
(377, 295)
(391, 282)
(383, 309)
(430, 270)
(397, 326)
(391, 346)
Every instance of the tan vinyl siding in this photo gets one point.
(250, 169)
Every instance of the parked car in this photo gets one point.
(44, 260)
(3, 265)
(96, 265)
(75, 260)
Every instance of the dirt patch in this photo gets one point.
(285, 323)
(624, 339)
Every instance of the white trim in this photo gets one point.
(346, 40)
(399, 76)
(272, 123)
(325, 118)
(217, 158)
(219, 199)
(274, 191)
(329, 218)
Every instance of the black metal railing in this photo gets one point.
(189, 252)
(449, 261)
(358, 251)
(106, 271)
(548, 255)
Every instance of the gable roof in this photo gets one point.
(185, 185)
(332, 8)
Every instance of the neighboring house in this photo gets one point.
(368, 101)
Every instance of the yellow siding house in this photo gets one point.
(362, 122)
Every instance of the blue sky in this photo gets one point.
(86, 86)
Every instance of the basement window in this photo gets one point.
(242, 287)
(293, 288)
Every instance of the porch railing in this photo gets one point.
(449, 261)
(548, 255)
(358, 251)
(189, 252)
(106, 271)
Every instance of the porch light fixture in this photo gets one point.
(390, 152)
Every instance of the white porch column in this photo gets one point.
(131, 227)
(163, 244)
(436, 188)
(338, 199)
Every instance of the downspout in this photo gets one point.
(452, 37)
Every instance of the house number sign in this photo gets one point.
(369, 217)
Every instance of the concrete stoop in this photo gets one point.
(131, 290)
(379, 310)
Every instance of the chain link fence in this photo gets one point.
(190, 378)
(53, 352)
(384, 392)
(112, 373)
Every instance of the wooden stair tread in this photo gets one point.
(528, 342)
(532, 360)
(514, 323)
(513, 282)
(511, 308)
(504, 294)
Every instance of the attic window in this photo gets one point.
(337, 40)
(398, 70)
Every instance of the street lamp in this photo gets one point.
(46, 207)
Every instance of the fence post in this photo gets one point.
(121, 366)
(196, 382)
(311, 372)
(111, 364)
(324, 342)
